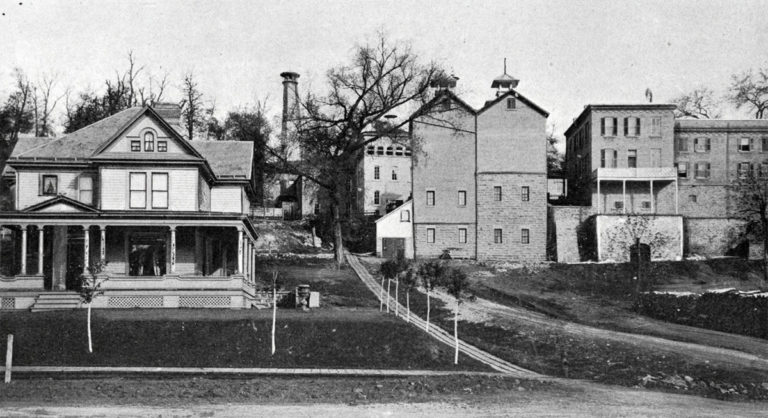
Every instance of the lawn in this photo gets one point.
(337, 287)
(211, 338)
(552, 352)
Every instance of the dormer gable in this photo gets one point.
(148, 136)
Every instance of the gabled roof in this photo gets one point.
(518, 96)
(228, 159)
(61, 199)
(438, 97)
(25, 143)
(397, 209)
(82, 143)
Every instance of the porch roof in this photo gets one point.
(130, 218)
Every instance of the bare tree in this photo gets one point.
(751, 191)
(381, 77)
(750, 89)
(44, 103)
(554, 158)
(194, 114)
(697, 104)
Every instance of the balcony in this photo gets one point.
(641, 173)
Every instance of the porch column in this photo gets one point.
(40, 247)
(86, 248)
(247, 258)
(103, 244)
(240, 244)
(599, 198)
(653, 200)
(173, 248)
(624, 196)
(24, 249)
(676, 191)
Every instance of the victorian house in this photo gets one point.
(166, 217)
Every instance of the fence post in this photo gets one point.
(9, 359)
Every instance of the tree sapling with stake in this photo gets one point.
(89, 289)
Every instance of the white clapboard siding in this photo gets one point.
(226, 199)
(182, 188)
(136, 131)
(28, 186)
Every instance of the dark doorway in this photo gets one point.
(48, 258)
(391, 247)
(74, 257)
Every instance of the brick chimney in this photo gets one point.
(170, 112)
(290, 98)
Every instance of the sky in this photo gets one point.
(567, 54)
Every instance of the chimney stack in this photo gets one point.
(290, 98)
(170, 112)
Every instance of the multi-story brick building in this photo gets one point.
(637, 159)
(383, 175)
(479, 176)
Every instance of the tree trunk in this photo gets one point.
(456, 333)
(338, 242)
(408, 307)
(427, 311)
(90, 342)
(274, 316)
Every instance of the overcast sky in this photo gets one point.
(566, 53)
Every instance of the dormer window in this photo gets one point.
(135, 146)
(149, 141)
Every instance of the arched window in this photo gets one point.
(379, 150)
(389, 150)
(376, 197)
(149, 141)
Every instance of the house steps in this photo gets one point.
(52, 301)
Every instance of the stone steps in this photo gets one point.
(56, 301)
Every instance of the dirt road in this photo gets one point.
(597, 401)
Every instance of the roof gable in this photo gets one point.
(61, 203)
(518, 96)
(229, 160)
(439, 97)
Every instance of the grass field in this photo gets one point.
(551, 352)
(223, 338)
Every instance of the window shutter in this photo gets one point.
(708, 144)
(602, 126)
(637, 126)
(39, 184)
(626, 126)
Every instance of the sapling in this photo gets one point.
(455, 282)
(409, 278)
(90, 287)
(429, 273)
(389, 270)
(276, 284)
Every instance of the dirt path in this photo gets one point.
(484, 311)
(598, 401)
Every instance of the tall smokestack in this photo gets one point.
(290, 98)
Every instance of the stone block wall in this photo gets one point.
(512, 215)
(446, 238)
(564, 225)
(616, 233)
(711, 236)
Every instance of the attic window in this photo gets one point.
(389, 150)
(135, 146)
(399, 151)
(149, 141)
(445, 105)
(371, 150)
(408, 151)
(511, 103)
(379, 150)
(162, 146)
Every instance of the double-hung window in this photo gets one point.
(159, 190)
(497, 193)
(376, 172)
(462, 198)
(430, 235)
(682, 170)
(631, 126)
(743, 170)
(525, 236)
(655, 126)
(497, 238)
(376, 198)
(462, 235)
(525, 194)
(745, 145)
(137, 191)
(405, 216)
(702, 170)
(430, 198)
(682, 144)
(701, 145)
(149, 141)
(85, 189)
(135, 146)
(632, 158)
(608, 127)
(608, 158)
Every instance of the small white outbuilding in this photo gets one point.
(394, 232)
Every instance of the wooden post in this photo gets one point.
(24, 249)
(173, 249)
(86, 248)
(9, 359)
(40, 248)
(240, 240)
(103, 244)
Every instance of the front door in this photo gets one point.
(391, 247)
